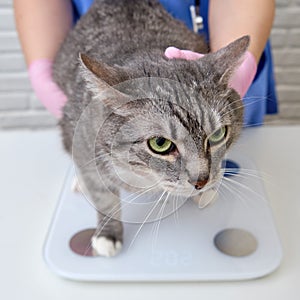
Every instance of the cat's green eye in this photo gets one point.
(218, 136)
(160, 145)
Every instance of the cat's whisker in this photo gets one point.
(235, 169)
(220, 190)
(101, 226)
(112, 213)
(139, 194)
(249, 125)
(267, 98)
(94, 159)
(175, 208)
(104, 155)
(243, 186)
(245, 105)
(227, 105)
(246, 176)
(255, 124)
(254, 100)
(257, 98)
(146, 219)
(265, 177)
(254, 175)
(155, 236)
(160, 214)
(238, 107)
(174, 199)
(240, 173)
(235, 192)
(259, 174)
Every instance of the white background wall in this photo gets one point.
(20, 108)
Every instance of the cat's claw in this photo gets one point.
(105, 246)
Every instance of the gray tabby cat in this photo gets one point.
(178, 131)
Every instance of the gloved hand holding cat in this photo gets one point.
(241, 79)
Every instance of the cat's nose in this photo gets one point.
(200, 183)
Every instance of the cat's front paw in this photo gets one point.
(106, 246)
(206, 198)
(75, 188)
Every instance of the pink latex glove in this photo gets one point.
(242, 77)
(172, 52)
(47, 91)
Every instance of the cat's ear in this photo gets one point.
(100, 79)
(110, 75)
(229, 58)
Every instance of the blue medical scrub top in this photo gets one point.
(261, 97)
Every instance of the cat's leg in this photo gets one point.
(108, 237)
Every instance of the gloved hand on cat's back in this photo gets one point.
(241, 79)
(47, 91)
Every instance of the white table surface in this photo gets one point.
(33, 166)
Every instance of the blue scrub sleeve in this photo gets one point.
(261, 97)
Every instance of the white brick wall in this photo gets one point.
(286, 49)
(20, 108)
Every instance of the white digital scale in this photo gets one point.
(232, 239)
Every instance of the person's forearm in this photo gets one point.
(231, 19)
(42, 25)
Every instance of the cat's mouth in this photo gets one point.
(189, 189)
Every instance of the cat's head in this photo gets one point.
(171, 121)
